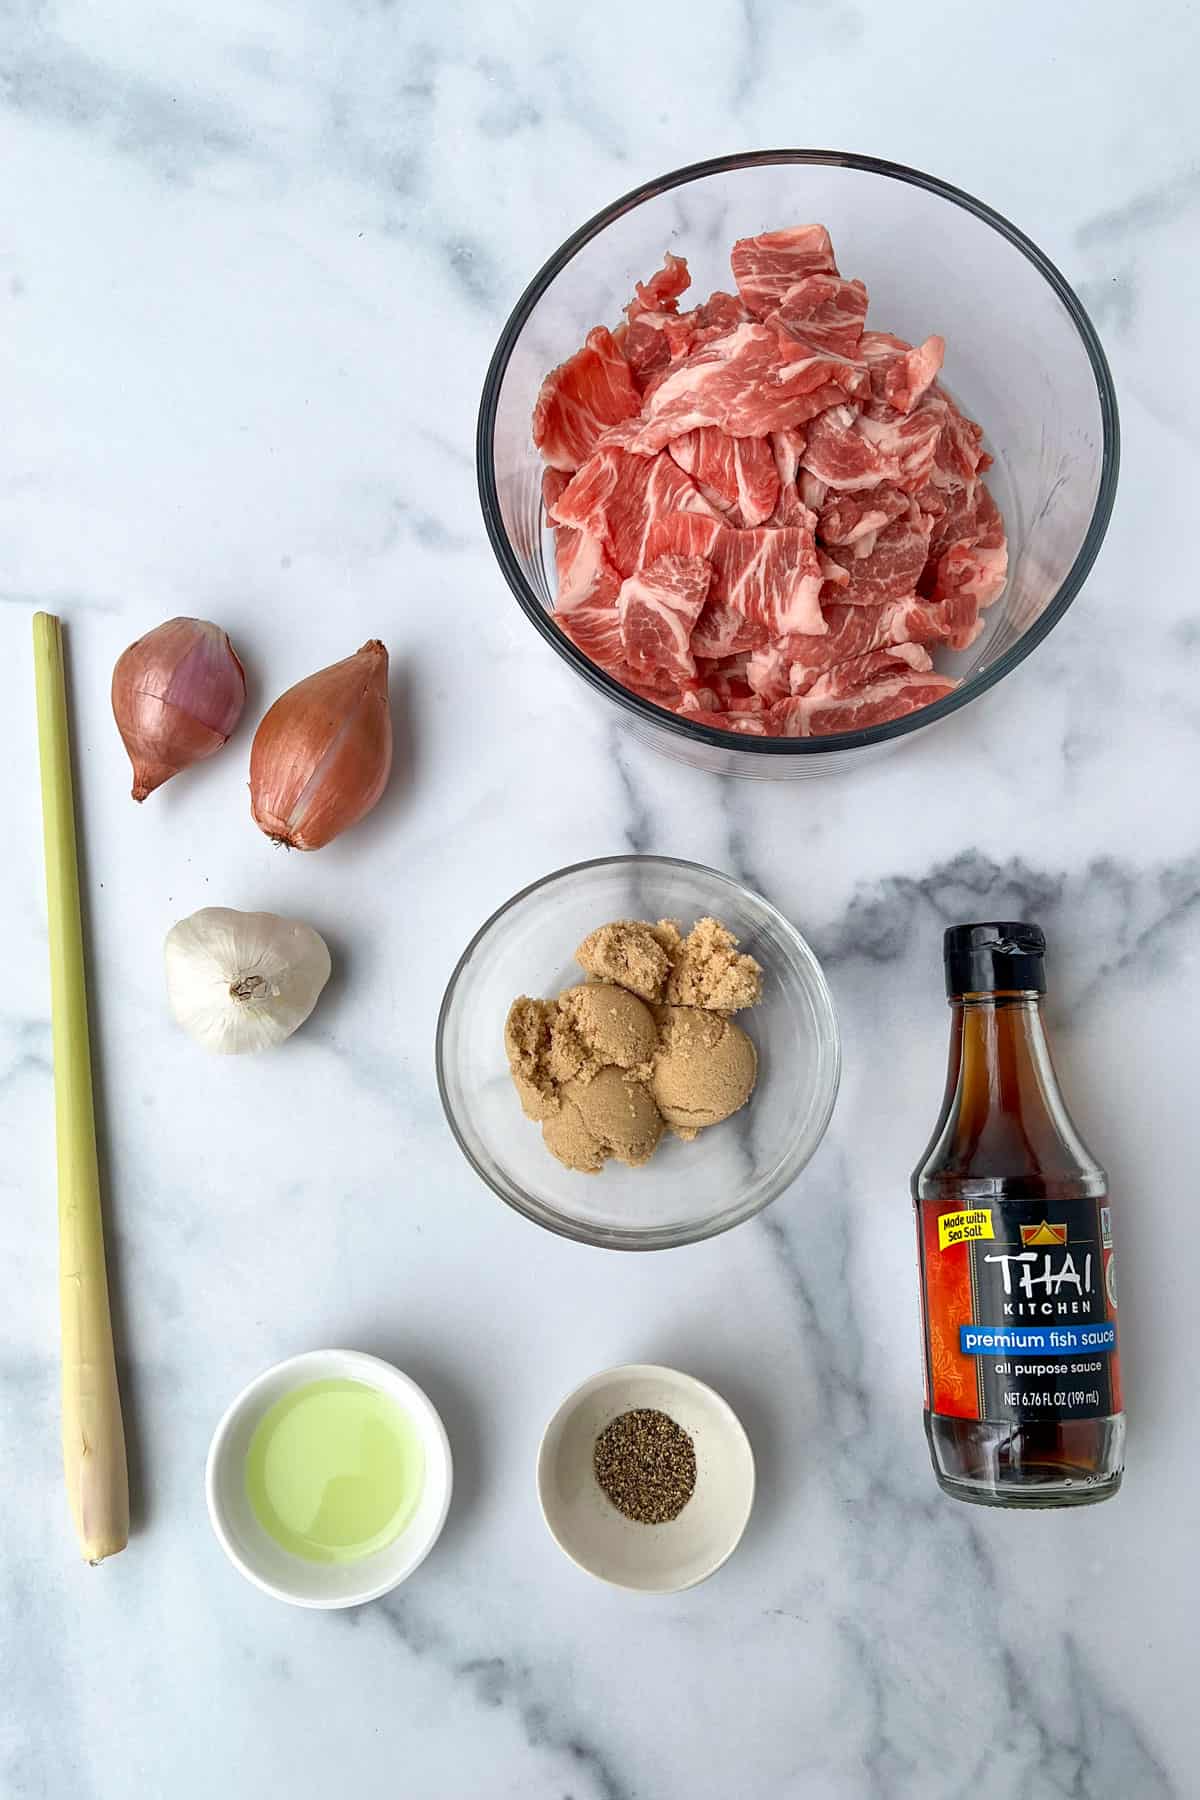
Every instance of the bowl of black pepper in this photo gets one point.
(646, 1478)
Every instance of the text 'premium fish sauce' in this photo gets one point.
(1015, 1246)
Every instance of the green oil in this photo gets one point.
(334, 1471)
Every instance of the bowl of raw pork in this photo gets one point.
(794, 454)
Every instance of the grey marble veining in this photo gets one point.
(253, 265)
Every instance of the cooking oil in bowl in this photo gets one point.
(334, 1471)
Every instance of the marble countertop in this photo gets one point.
(254, 262)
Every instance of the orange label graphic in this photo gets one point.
(1043, 1234)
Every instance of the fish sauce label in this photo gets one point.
(1020, 1309)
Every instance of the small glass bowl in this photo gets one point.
(689, 1191)
(1022, 358)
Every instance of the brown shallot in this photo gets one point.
(321, 756)
(177, 693)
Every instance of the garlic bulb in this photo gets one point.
(241, 981)
(321, 756)
(177, 693)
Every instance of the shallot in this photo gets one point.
(177, 693)
(321, 756)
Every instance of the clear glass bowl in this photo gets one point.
(689, 1191)
(1021, 357)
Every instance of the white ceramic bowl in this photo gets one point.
(264, 1562)
(655, 1559)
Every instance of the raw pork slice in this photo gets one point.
(878, 348)
(582, 568)
(911, 375)
(747, 724)
(894, 563)
(858, 672)
(953, 512)
(889, 698)
(721, 632)
(975, 570)
(682, 534)
(787, 447)
(824, 313)
(968, 550)
(661, 293)
(768, 670)
(908, 442)
(900, 374)
(721, 312)
(655, 342)
(616, 498)
(991, 525)
(765, 267)
(839, 453)
(553, 483)
(658, 608)
(846, 518)
(595, 628)
(833, 575)
(746, 382)
(856, 630)
(771, 577)
(581, 398)
(736, 474)
(960, 455)
(721, 686)
(584, 571)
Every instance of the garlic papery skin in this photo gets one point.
(322, 754)
(243, 981)
(177, 693)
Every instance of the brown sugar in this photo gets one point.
(626, 952)
(646, 1044)
(708, 970)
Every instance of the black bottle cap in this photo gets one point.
(987, 959)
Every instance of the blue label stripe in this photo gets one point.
(1036, 1340)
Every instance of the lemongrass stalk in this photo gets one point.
(93, 1435)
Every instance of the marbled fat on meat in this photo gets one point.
(771, 577)
(891, 697)
(765, 515)
(839, 454)
(616, 497)
(747, 383)
(658, 608)
(592, 390)
(736, 474)
(766, 266)
(824, 313)
(893, 563)
(848, 517)
(661, 293)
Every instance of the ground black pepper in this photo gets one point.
(646, 1465)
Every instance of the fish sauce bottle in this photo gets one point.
(1015, 1249)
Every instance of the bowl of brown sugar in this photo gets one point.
(646, 1478)
(638, 1052)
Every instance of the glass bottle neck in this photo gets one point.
(1003, 1114)
(1003, 1054)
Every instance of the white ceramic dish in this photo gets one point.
(654, 1559)
(264, 1562)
